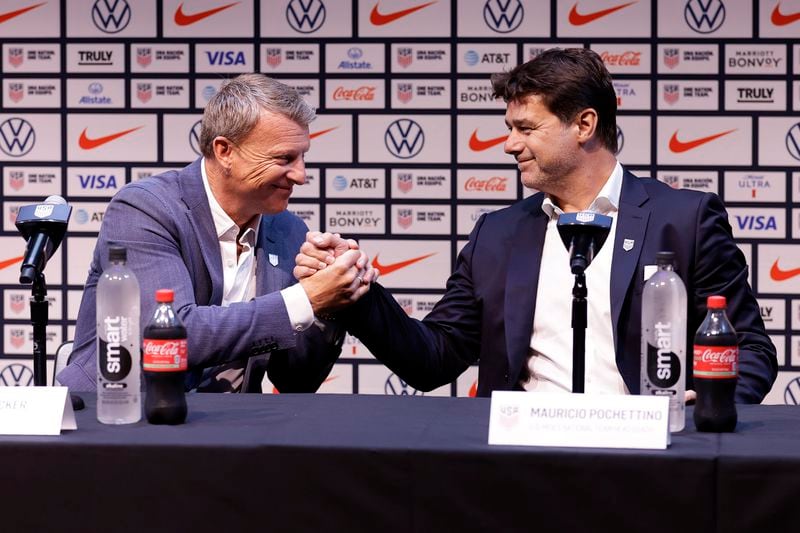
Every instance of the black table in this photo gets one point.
(384, 464)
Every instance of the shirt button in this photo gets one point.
(298, 328)
(230, 263)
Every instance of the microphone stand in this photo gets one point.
(39, 319)
(579, 314)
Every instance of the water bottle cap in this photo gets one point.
(117, 253)
(665, 258)
(717, 302)
(165, 295)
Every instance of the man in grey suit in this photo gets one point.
(218, 233)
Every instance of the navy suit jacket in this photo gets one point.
(487, 311)
(165, 223)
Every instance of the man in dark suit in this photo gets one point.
(507, 304)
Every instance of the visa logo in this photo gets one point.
(225, 58)
(97, 181)
(759, 222)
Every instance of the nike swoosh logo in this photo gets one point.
(380, 19)
(782, 275)
(579, 19)
(11, 14)
(478, 145)
(391, 267)
(182, 19)
(780, 19)
(678, 147)
(89, 144)
(323, 132)
(8, 262)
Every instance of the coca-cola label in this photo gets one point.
(365, 92)
(493, 184)
(164, 355)
(716, 362)
(113, 357)
(625, 59)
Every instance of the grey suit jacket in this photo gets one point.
(165, 223)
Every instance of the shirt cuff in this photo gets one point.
(301, 315)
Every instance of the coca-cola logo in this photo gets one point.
(167, 349)
(726, 356)
(625, 59)
(493, 184)
(363, 93)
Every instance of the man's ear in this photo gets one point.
(223, 150)
(586, 122)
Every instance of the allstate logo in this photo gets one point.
(704, 16)
(194, 137)
(503, 16)
(472, 58)
(305, 16)
(17, 137)
(404, 138)
(111, 16)
(397, 387)
(791, 396)
(340, 183)
(355, 53)
(793, 141)
(620, 140)
(16, 375)
(81, 216)
(95, 87)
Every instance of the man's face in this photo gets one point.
(546, 149)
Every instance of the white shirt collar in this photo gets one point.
(223, 223)
(607, 199)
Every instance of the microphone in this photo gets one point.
(583, 234)
(43, 226)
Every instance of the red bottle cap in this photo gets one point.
(165, 296)
(717, 302)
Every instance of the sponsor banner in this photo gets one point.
(602, 18)
(747, 250)
(477, 94)
(624, 58)
(786, 389)
(426, 183)
(138, 173)
(352, 348)
(355, 183)
(16, 304)
(289, 58)
(796, 92)
(307, 19)
(159, 57)
(778, 269)
(795, 310)
(632, 95)
(468, 215)
(31, 181)
(755, 59)
(73, 306)
(406, 264)
(377, 379)
(795, 355)
(796, 187)
(779, 141)
(95, 181)
(755, 186)
(25, 58)
(481, 139)
(95, 93)
(309, 90)
(633, 140)
(351, 58)
(310, 189)
(467, 383)
(682, 95)
(355, 94)
(755, 95)
(779, 19)
(349, 219)
(704, 140)
(485, 58)
(182, 137)
(420, 58)
(421, 219)
(795, 223)
(410, 138)
(308, 213)
(30, 137)
(483, 184)
(401, 18)
(223, 57)
(504, 18)
(159, 93)
(331, 139)
(417, 305)
(205, 88)
(111, 18)
(35, 93)
(531, 50)
(86, 216)
(773, 313)
(421, 94)
(757, 222)
(10, 211)
(796, 55)
(706, 19)
(207, 18)
(18, 340)
(86, 57)
(42, 19)
(688, 58)
(104, 137)
(13, 251)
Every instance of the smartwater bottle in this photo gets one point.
(119, 397)
(663, 356)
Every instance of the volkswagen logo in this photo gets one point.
(503, 16)
(404, 138)
(704, 16)
(111, 16)
(305, 16)
(620, 140)
(793, 141)
(16, 375)
(194, 137)
(791, 396)
(17, 137)
(397, 387)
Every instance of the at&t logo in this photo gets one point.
(17, 137)
(793, 141)
(16, 375)
(194, 137)
(397, 387)
(404, 138)
(111, 16)
(503, 16)
(704, 16)
(305, 16)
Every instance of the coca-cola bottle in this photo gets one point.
(164, 361)
(716, 369)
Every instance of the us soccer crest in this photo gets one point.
(405, 91)
(16, 180)
(405, 56)
(16, 56)
(144, 91)
(16, 91)
(671, 93)
(672, 56)
(274, 57)
(405, 217)
(144, 56)
(405, 182)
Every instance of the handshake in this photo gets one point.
(333, 271)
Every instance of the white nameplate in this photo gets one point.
(579, 420)
(35, 411)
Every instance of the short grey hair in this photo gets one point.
(235, 109)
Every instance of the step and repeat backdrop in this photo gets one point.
(407, 150)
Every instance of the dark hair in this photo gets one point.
(568, 81)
